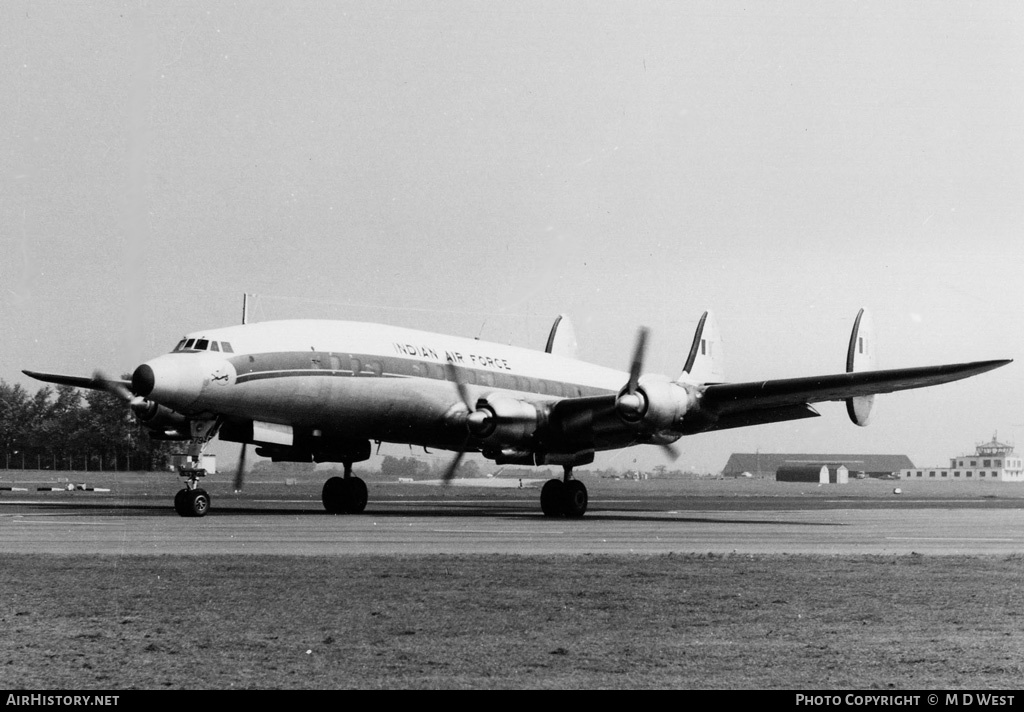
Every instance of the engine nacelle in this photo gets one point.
(505, 421)
(158, 417)
(657, 405)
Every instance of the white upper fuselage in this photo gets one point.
(368, 380)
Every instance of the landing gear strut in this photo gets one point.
(565, 497)
(193, 500)
(345, 495)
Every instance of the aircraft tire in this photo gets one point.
(574, 503)
(179, 502)
(552, 496)
(196, 503)
(355, 495)
(333, 495)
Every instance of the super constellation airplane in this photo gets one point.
(305, 390)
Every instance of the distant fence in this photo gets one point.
(82, 462)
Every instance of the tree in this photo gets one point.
(57, 428)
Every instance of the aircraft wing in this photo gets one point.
(589, 422)
(731, 397)
(729, 405)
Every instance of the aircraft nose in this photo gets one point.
(174, 380)
(143, 380)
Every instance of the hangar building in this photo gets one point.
(765, 465)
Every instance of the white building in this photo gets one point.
(990, 461)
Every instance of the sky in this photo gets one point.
(479, 168)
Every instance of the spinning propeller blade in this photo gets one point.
(240, 472)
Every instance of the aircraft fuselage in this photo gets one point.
(365, 381)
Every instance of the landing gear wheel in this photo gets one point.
(179, 503)
(355, 495)
(574, 500)
(192, 503)
(333, 495)
(551, 498)
(344, 495)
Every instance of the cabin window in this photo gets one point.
(372, 368)
(335, 363)
(485, 379)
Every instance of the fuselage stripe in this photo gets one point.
(310, 364)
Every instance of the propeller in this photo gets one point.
(631, 404)
(477, 421)
(114, 387)
(240, 472)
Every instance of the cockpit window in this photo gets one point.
(226, 347)
(189, 343)
(180, 346)
(214, 346)
(203, 344)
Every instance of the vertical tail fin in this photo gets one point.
(861, 356)
(562, 339)
(706, 361)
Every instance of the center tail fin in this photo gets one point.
(706, 361)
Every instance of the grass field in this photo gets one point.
(750, 622)
(565, 622)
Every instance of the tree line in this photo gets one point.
(62, 429)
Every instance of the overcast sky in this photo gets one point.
(480, 167)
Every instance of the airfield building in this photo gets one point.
(767, 465)
(991, 461)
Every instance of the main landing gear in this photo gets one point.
(565, 497)
(345, 495)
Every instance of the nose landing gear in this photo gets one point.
(192, 502)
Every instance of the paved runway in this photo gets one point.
(475, 523)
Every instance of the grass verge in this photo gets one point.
(746, 622)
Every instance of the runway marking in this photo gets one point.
(530, 532)
(947, 538)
